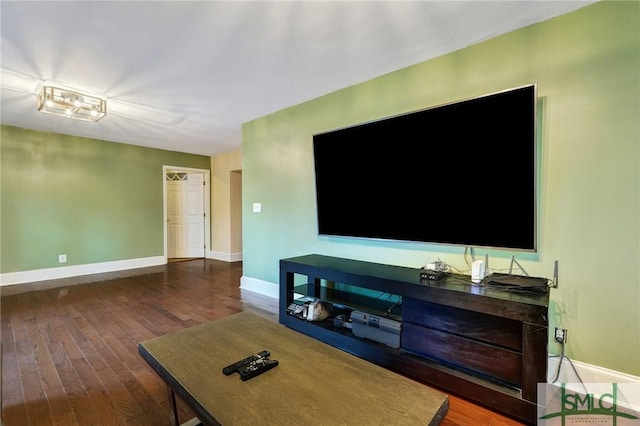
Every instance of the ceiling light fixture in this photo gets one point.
(71, 104)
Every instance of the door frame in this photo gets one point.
(207, 205)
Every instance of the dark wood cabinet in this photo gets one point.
(486, 344)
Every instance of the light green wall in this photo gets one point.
(587, 66)
(92, 200)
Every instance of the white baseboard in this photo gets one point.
(225, 256)
(586, 373)
(22, 277)
(586, 379)
(265, 288)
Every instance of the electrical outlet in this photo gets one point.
(561, 335)
(62, 258)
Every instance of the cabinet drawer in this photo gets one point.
(502, 332)
(488, 360)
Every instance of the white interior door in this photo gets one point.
(186, 216)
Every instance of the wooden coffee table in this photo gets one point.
(313, 384)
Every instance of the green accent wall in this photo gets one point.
(92, 200)
(587, 67)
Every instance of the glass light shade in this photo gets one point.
(71, 104)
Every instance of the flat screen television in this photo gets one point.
(462, 174)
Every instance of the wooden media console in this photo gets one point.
(482, 342)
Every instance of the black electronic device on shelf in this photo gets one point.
(517, 283)
(431, 275)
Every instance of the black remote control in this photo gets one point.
(230, 369)
(256, 367)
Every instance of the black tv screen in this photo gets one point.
(460, 174)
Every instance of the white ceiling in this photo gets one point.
(184, 76)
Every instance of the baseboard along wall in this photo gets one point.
(46, 274)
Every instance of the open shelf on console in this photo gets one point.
(327, 325)
(388, 306)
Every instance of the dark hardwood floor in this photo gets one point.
(69, 347)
